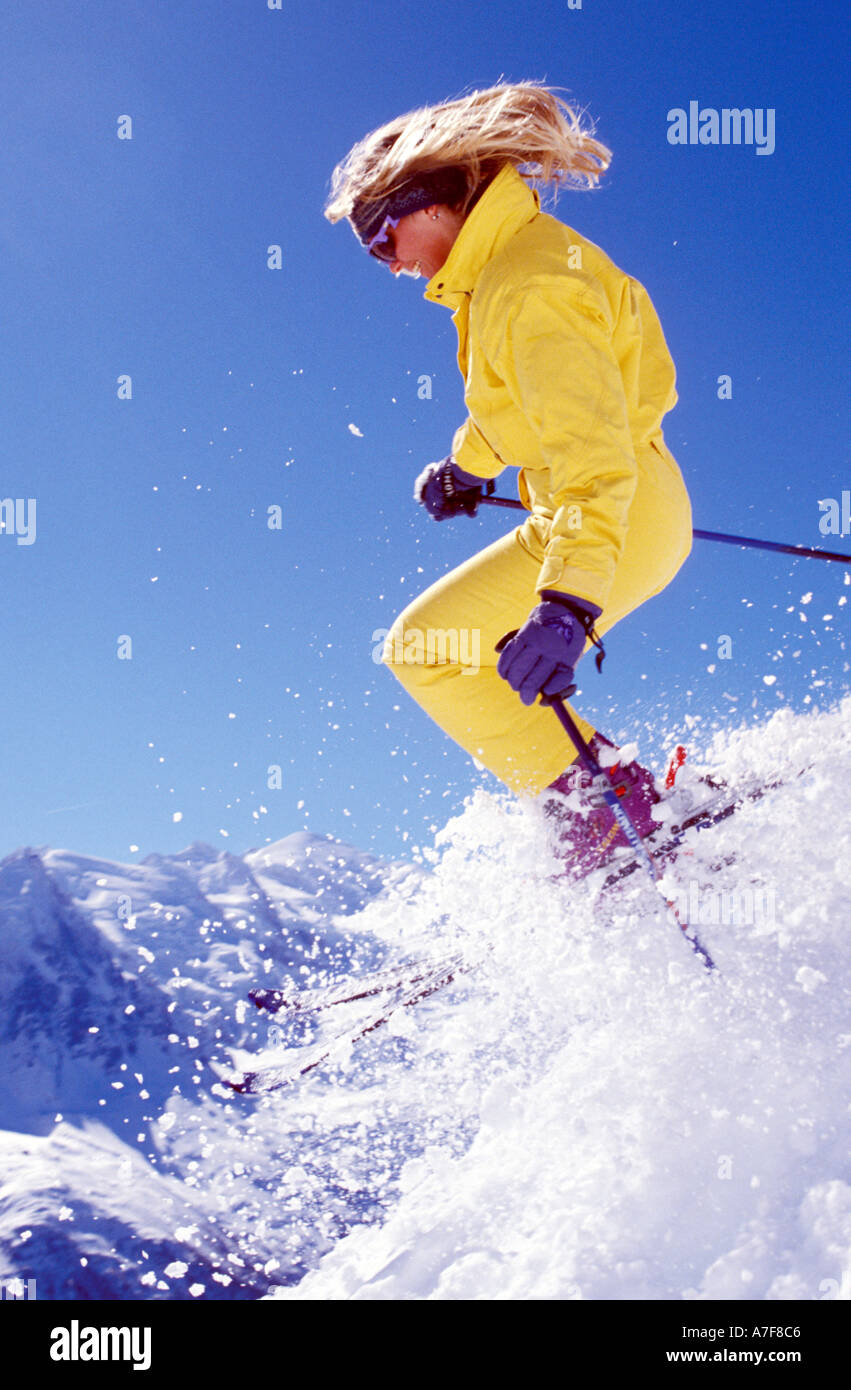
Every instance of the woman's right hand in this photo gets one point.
(445, 490)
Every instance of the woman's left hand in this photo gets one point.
(539, 659)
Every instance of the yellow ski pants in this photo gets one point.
(441, 647)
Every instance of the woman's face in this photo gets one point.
(423, 240)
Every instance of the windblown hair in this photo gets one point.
(522, 123)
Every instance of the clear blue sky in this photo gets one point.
(148, 257)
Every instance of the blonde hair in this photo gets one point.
(521, 123)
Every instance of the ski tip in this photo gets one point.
(243, 1085)
(270, 1000)
(255, 1083)
(675, 762)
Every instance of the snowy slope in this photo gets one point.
(641, 1130)
(586, 1114)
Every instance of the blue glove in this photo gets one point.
(540, 657)
(445, 490)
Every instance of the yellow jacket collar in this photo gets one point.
(506, 205)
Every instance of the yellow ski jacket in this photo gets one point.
(567, 377)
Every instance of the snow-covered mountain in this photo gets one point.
(584, 1113)
(120, 985)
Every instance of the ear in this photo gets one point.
(439, 211)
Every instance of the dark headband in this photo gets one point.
(423, 190)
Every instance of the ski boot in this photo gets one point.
(587, 834)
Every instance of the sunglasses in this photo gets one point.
(383, 244)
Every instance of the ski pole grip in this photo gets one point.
(545, 699)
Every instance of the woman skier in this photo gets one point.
(567, 378)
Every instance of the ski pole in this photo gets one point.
(804, 550)
(808, 551)
(604, 786)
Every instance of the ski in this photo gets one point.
(664, 850)
(419, 987)
(405, 986)
(314, 1001)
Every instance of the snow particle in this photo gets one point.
(810, 979)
